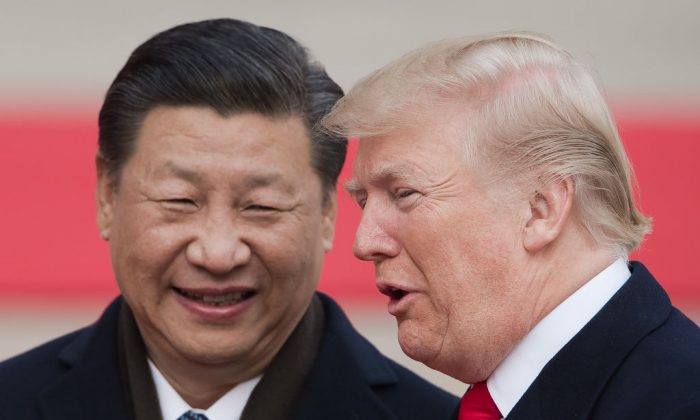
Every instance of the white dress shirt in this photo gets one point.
(520, 368)
(228, 407)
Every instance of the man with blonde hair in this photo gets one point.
(498, 211)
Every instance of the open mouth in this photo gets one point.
(216, 299)
(395, 293)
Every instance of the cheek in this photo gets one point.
(291, 252)
(143, 255)
(468, 265)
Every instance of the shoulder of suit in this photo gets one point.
(24, 377)
(378, 369)
(42, 364)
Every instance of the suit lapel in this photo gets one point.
(92, 387)
(338, 392)
(570, 384)
(341, 383)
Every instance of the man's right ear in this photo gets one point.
(104, 195)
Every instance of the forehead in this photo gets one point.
(191, 142)
(205, 127)
(425, 149)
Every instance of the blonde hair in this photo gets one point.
(534, 115)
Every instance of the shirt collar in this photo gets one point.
(228, 407)
(520, 368)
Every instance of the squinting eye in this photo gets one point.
(259, 207)
(179, 204)
(182, 201)
(360, 199)
(404, 193)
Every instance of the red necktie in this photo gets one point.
(477, 404)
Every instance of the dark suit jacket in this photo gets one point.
(638, 358)
(77, 377)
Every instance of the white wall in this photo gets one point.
(58, 48)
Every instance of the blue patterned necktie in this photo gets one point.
(191, 415)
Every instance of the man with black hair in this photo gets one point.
(215, 190)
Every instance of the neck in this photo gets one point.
(201, 384)
(195, 389)
(563, 269)
(541, 282)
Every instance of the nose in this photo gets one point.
(374, 239)
(218, 246)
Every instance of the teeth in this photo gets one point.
(218, 300)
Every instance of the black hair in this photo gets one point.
(231, 66)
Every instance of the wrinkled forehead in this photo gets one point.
(419, 152)
(444, 125)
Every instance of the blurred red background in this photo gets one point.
(50, 251)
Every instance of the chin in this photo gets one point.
(431, 350)
(417, 346)
(211, 357)
(469, 373)
(216, 353)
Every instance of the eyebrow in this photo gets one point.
(251, 182)
(265, 180)
(353, 187)
(383, 173)
(180, 172)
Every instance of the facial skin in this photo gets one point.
(434, 232)
(212, 205)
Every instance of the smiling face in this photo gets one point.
(217, 233)
(446, 253)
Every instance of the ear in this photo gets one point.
(105, 198)
(550, 208)
(330, 209)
